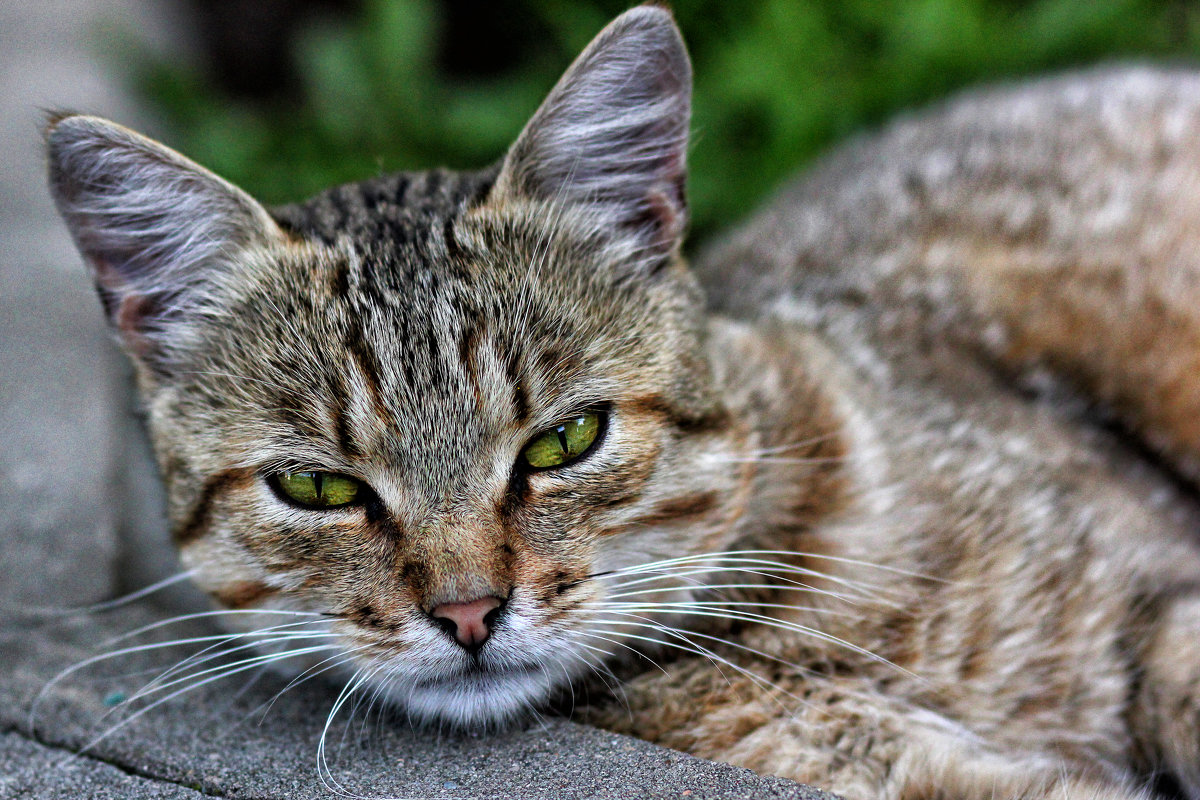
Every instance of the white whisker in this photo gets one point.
(193, 661)
(102, 606)
(772, 622)
(74, 668)
(619, 643)
(324, 772)
(700, 650)
(326, 665)
(799, 587)
(788, 553)
(718, 604)
(249, 664)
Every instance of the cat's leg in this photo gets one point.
(1165, 713)
(847, 736)
(914, 760)
(859, 746)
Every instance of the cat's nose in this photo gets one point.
(469, 623)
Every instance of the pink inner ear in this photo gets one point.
(130, 318)
(128, 310)
(664, 213)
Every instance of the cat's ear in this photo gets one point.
(159, 232)
(613, 132)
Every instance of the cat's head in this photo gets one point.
(440, 409)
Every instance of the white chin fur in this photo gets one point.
(472, 701)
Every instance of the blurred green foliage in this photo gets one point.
(777, 81)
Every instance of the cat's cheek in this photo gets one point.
(252, 554)
(223, 572)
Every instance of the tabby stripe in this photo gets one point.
(678, 509)
(453, 248)
(293, 410)
(656, 405)
(341, 424)
(433, 181)
(339, 285)
(404, 181)
(385, 526)
(619, 497)
(515, 498)
(341, 203)
(367, 365)
(467, 347)
(520, 398)
(195, 525)
(241, 594)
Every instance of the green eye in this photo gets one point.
(317, 489)
(563, 443)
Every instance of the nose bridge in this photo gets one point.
(458, 558)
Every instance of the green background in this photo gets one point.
(408, 84)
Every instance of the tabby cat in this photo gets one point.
(482, 434)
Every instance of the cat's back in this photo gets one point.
(932, 276)
(1044, 178)
(1040, 237)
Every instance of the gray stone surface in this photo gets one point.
(63, 421)
(80, 519)
(57, 395)
(222, 739)
(50, 774)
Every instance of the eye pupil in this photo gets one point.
(315, 489)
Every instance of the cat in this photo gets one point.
(484, 435)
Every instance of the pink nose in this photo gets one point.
(467, 621)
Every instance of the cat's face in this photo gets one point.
(425, 382)
(438, 410)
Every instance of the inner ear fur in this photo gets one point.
(612, 134)
(157, 230)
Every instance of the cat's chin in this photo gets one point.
(473, 699)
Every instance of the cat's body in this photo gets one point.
(963, 593)
(1043, 233)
